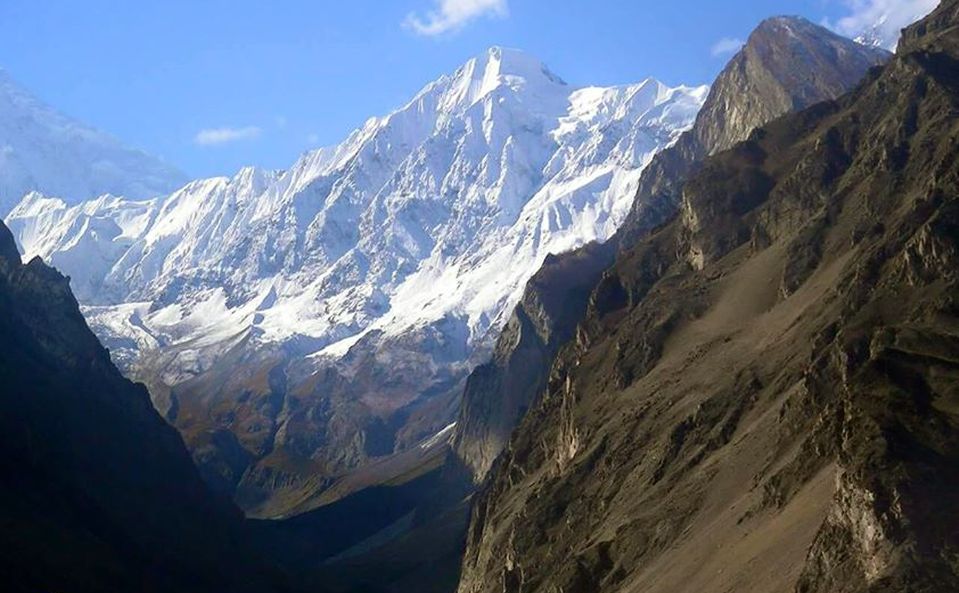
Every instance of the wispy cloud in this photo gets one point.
(452, 15)
(880, 21)
(726, 46)
(214, 136)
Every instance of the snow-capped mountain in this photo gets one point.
(401, 250)
(455, 196)
(879, 24)
(43, 150)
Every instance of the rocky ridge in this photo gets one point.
(99, 493)
(44, 150)
(787, 64)
(763, 394)
(356, 290)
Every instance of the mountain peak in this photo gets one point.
(785, 30)
(789, 31)
(461, 192)
(495, 68)
(788, 63)
(89, 162)
(785, 22)
(498, 61)
(254, 175)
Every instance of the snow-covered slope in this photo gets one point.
(444, 207)
(42, 150)
(410, 241)
(879, 24)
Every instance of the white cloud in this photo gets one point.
(214, 136)
(726, 46)
(453, 15)
(879, 21)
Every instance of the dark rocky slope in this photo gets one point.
(787, 64)
(404, 533)
(265, 434)
(498, 393)
(764, 395)
(98, 493)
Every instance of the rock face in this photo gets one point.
(98, 493)
(770, 401)
(498, 393)
(42, 150)
(788, 64)
(328, 315)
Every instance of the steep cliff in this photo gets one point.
(279, 318)
(498, 393)
(98, 493)
(787, 64)
(763, 394)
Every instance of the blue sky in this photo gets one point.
(212, 85)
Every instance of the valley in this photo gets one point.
(515, 336)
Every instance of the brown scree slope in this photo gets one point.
(764, 395)
(787, 64)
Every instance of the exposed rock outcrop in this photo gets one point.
(771, 402)
(98, 493)
(788, 64)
